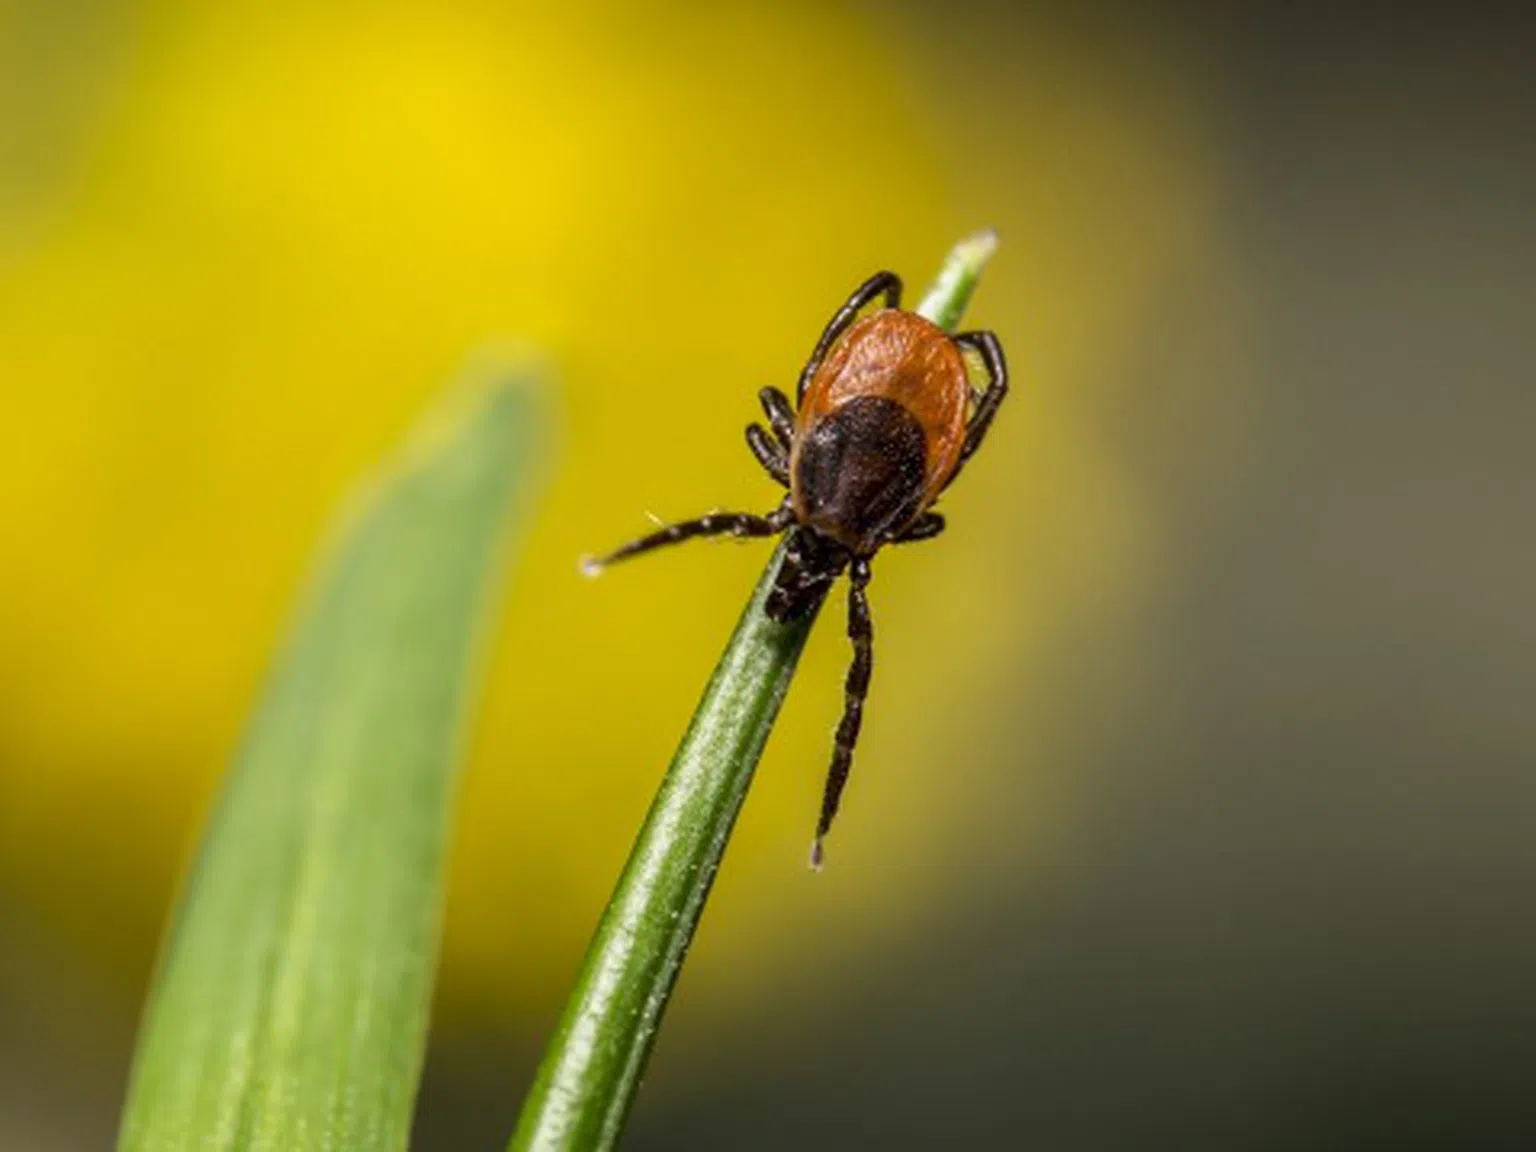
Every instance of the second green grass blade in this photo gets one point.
(290, 1008)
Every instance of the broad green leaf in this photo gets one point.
(290, 1006)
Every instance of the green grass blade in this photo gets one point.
(592, 1067)
(290, 1007)
(945, 302)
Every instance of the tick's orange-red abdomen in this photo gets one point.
(899, 356)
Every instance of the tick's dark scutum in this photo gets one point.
(860, 470)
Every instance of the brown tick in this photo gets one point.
(884, 419)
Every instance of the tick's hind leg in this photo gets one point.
(714, 524)
(861, 633)
(769, 452)
(781, 417)
(985, 343)
(925, 527)
(886, 282)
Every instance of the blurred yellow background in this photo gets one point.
(241, 245)
(280, 229)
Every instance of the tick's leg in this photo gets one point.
(715, 524)
(997, 387)
(887, 282)
(769, 452)
(781, 417)
(855, 689)
(925, 527)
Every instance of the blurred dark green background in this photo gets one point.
(1225, 839)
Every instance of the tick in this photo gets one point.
(885, 418)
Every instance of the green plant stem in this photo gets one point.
(592, 1068)
(945, 302)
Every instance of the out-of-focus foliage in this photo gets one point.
(291, 1003)
(239, 245)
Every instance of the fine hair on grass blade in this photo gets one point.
(590, 1072)
(289, 1009)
